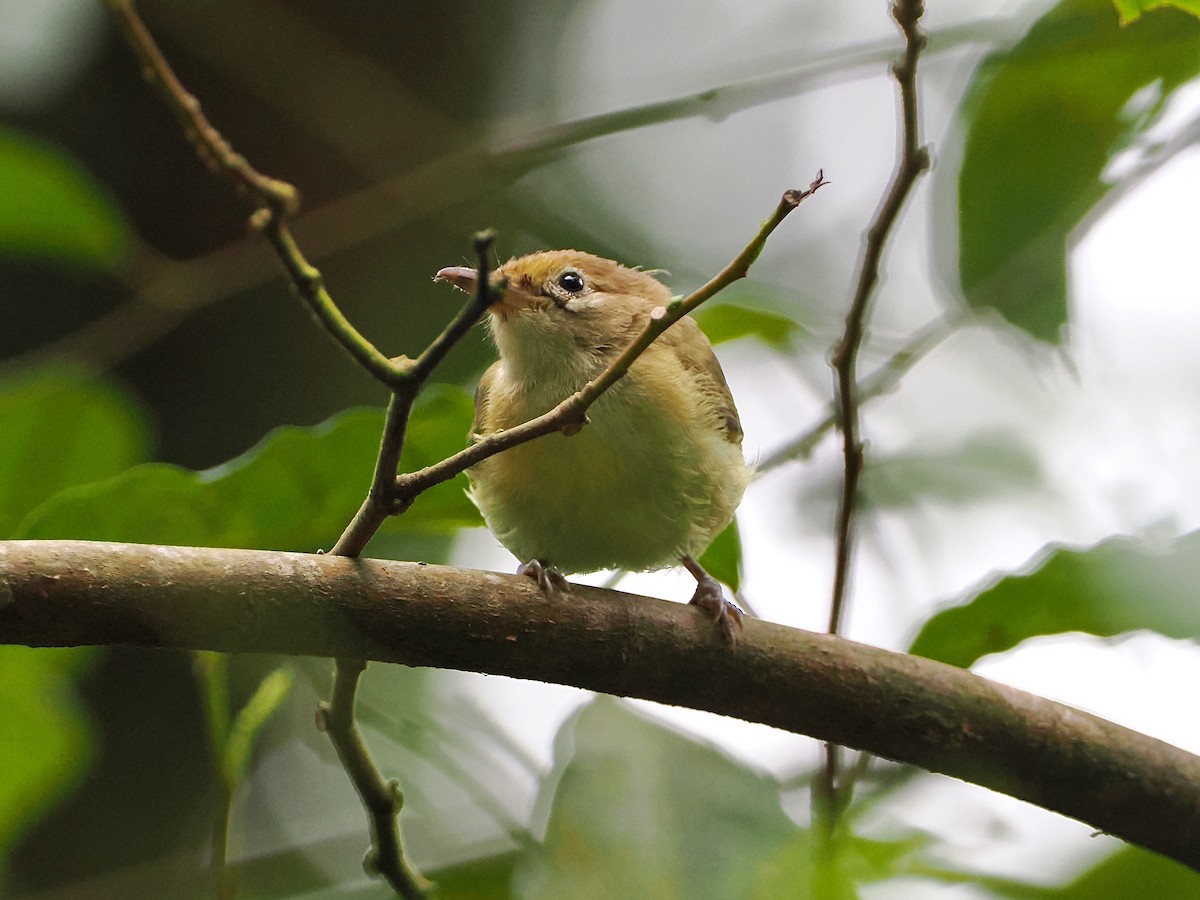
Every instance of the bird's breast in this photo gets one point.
(647, 480)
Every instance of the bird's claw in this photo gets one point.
(551, 581)
(727, 618)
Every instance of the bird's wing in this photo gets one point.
(696, 354)
(479, 426)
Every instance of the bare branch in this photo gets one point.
(913, 160)
(944, 719)
(828, 794)
(382, 799)
(276, 200)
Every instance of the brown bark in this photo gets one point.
(944, 719)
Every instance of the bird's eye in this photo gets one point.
(571, 282)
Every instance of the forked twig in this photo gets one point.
(390, 494)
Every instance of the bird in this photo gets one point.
(658, 470)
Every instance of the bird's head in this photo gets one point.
(565, 310)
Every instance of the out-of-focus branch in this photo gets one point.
(166, 292)
(944, 719)
(276, 200)
(882, 380)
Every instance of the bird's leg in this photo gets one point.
(710, 598)
(549, 579)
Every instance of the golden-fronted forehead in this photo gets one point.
(603, 275)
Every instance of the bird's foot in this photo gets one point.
(727, 618)
(551, 581)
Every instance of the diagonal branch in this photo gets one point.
(879, 382)
(571, 412)
(383, 499)
(913, 710)
(275, 200)
(169, 291)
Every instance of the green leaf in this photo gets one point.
(1129, 872)
(47, 744)
(212, 674)
(1131, 10)
(250, 720)
(727, 322)
(1042, 121)
(59, 428)
(486, 878)
(295, 490)
(848, 863)
(1133, 872)
(641, 811)
(723, 558)
(438, 429)
(1117, 586)
(51, 208)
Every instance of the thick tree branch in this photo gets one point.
(947, 720)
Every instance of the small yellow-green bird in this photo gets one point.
(658, 470)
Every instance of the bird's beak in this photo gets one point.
(464, 278)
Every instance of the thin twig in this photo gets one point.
(570, 413)
(279, 196)
(275, 200)
(913, 160)
(828, 797)
(308, 284)
(382, 799)
(467, 317)
(879, 382)
(384, 499)
(175, 290)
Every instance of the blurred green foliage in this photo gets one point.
(1041, 123)
(51, 208)
(631, 807)
(296, 490)
(1131, 10)
(45, 744)
(62, 428)
(1118, 586)
(727, 321)
(640, 811)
